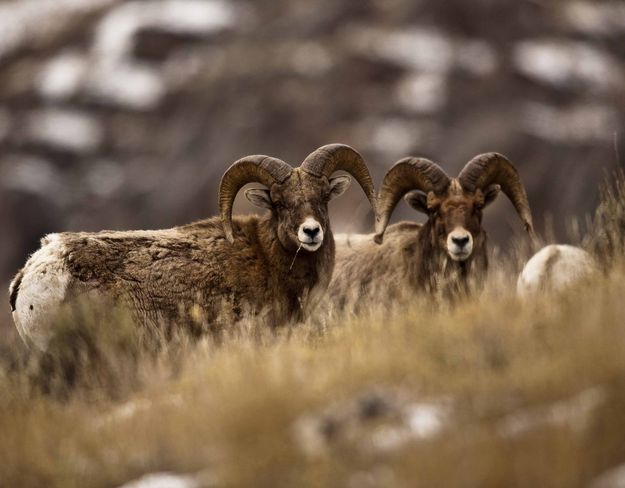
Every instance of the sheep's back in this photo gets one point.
(367, 274)
(162, 275)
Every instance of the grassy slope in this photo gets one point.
(534, 396)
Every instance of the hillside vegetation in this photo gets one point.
(489, 392)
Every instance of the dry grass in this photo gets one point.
(608, 227)
(529, 394)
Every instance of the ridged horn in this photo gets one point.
(405, 175)
(334, 157)
(262, 169)
(494, 168)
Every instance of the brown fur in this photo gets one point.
(414, 256)
(169, 274)
(193, 272)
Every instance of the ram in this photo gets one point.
(442, 255)
(555, 268)
(278, 264)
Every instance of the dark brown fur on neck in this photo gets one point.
(409, 260)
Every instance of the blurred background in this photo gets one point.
(124, 114)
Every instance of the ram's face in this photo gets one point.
(456, 218)
(300, 208)
(459, 225)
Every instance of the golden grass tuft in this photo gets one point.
(605, 239)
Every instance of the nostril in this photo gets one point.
(460, 241)
(311, 231)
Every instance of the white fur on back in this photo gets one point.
(353, 240)
(41, 292)
(555, 267)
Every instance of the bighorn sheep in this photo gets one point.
(555, 268)
(279, 263)
(440, 255)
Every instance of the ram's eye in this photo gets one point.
(278, 206)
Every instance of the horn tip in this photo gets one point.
(228, 234)
(380, 228)
(333, 145)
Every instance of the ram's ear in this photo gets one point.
(490, 194)
(259, 197)
(417, 200)
(338, 185)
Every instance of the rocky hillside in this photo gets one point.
(125, 114)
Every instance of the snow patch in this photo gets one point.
(426, 419)
(28, 21)
(421, 421)
(31, 175)
(561, 64)
(127, 84)
(426, 49)
(63, 76)
(422, 92)
(573, 413)
(114, 37)
(65, 129)
(374, 423)
(578, 123)
(397, 136)
(418, 48)
(109, 73)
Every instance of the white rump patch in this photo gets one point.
(41, 291)
(555, 267)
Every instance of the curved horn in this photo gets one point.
(261, 169)
(487, 169)
(405, 175)
(334, 157)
